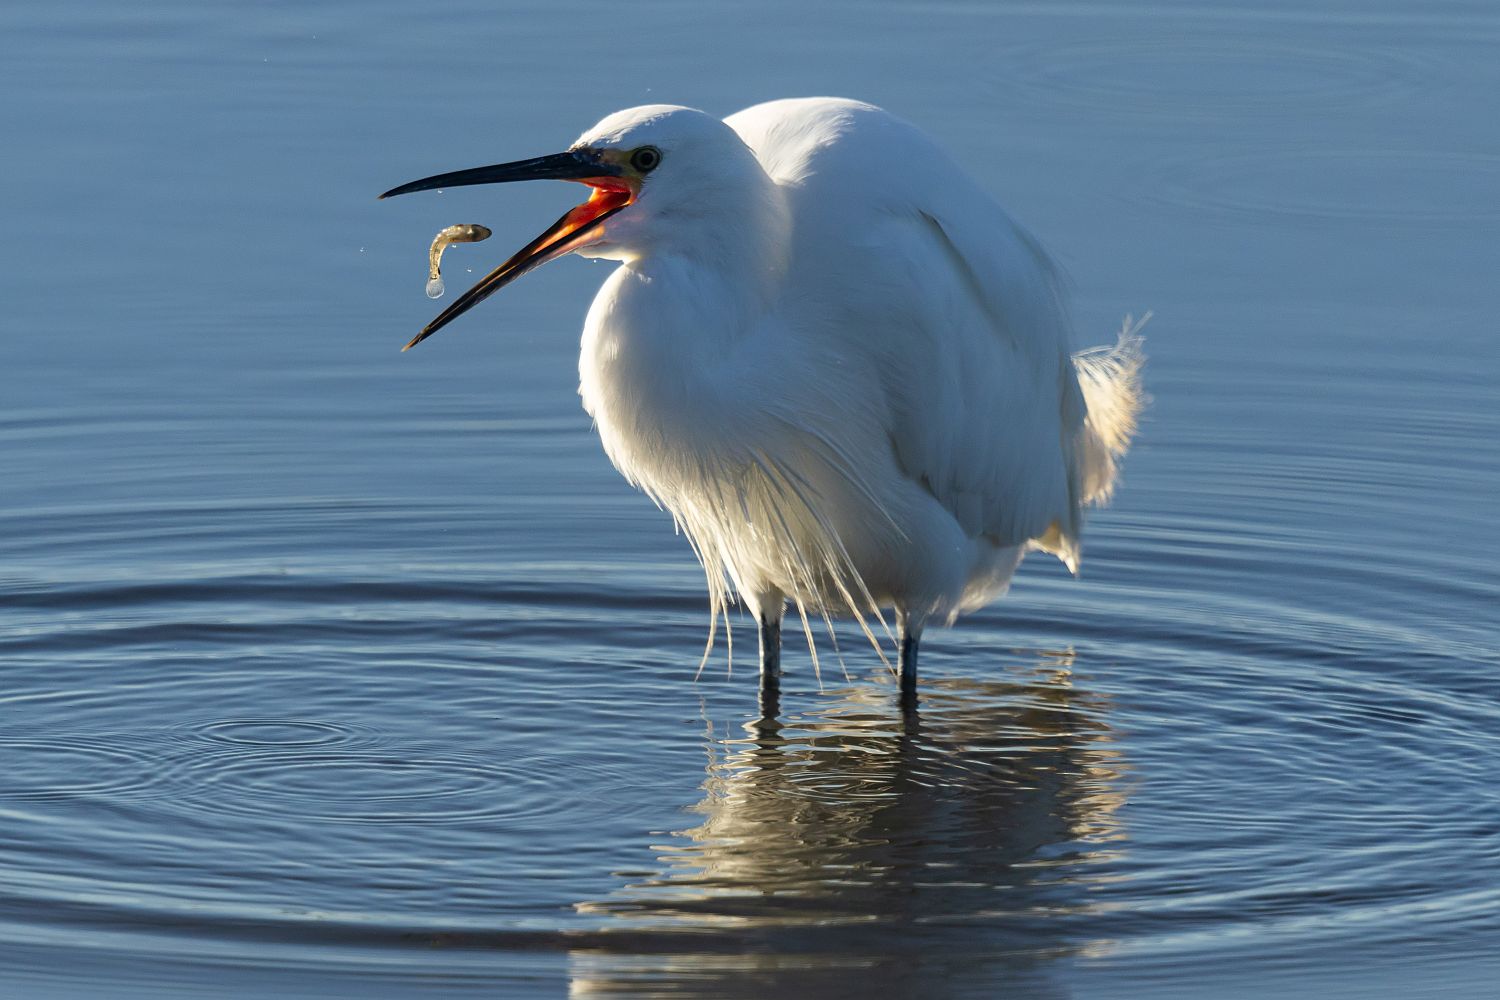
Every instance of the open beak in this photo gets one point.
(580, 225)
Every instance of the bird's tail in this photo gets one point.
(1110, 378)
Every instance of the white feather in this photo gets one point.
(842, 367)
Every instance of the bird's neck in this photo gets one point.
(665, 335)
(666, 328)
(734, 236)
(673, 317)
(711, 282)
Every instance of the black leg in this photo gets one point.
(910, 636)
(770, 666)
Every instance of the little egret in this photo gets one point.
(839, 363)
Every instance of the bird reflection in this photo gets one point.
(859, 852)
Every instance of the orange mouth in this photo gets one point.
(579, 226)
(610, 194)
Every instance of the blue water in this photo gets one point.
(329, 671)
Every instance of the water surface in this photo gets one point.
(331, 671)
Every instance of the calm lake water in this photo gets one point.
(328, 671)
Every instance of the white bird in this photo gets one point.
(834, 359)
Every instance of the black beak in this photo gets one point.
(574, 165)
(574, 229)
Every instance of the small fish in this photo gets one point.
(468, 232)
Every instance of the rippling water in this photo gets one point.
(330, 671)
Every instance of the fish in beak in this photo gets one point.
(613, 186)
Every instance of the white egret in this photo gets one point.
(839, 363)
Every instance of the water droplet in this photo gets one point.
(435, 288)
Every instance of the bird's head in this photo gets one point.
(663, 177)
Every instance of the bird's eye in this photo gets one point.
(645, 159)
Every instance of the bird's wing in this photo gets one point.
(952, 306)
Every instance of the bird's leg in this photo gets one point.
(770, 660)
(909, 634)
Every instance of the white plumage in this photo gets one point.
(840, 365)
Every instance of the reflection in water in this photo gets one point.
(968, 833)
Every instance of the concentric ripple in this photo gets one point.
(307, 773)
(1173, 78)
(357, 787)
(276, 732)
(65, 766)
(1422, 187)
